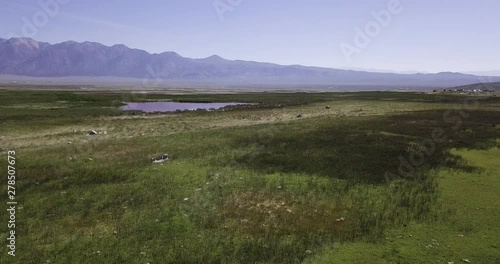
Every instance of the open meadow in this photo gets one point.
(347, 181)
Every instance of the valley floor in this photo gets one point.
(254, 184)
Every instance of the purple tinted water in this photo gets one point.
(173, 106)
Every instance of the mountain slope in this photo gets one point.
(480, 86)
(27, 57)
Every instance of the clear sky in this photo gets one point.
(424, 35)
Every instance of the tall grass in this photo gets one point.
(273, 193)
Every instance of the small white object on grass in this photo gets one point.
(162, 159)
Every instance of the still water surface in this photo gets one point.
(174, 106)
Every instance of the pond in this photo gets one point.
(151, 107)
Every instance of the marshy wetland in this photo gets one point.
(254, 184)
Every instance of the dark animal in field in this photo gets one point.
(299, 116)
(162, 159)
(327, 107)
(92, 132)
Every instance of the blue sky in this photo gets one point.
(426, 35)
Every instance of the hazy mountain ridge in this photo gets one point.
(27, 57)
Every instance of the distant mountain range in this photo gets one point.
(28, 57)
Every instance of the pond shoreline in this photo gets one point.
(166, 107)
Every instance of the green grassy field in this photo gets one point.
(253, 184)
